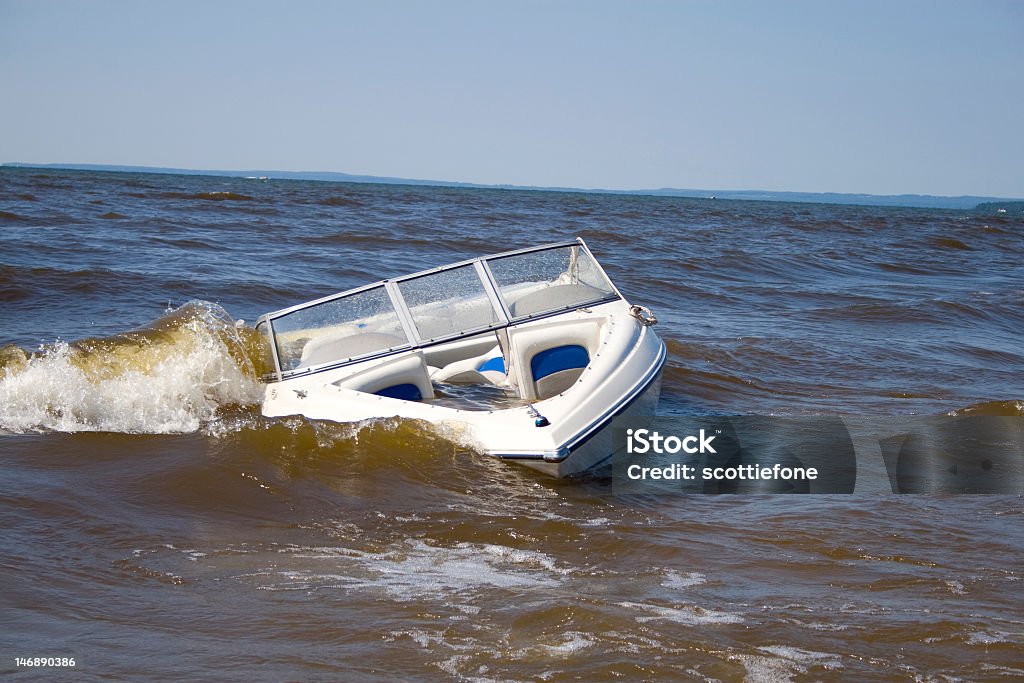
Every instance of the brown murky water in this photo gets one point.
(156, 528)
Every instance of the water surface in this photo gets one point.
(155, 527)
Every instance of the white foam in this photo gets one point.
(171, 384)
(828, 626)
(677, 581)
(988, 637)
(421, 637)
(416, 569)
(687, 614)
(429, 570)
(803, 656)
(529, 558)
(767, 669)
(573, 642)
(597, 521)
(785, 663)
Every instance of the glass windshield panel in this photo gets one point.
(265, 354)
(449, 302)
(356, 325)
(550, 280)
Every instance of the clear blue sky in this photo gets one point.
(878, 97)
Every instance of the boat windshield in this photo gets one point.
(538, 282)
(351, 326)
(445, 303)
(448, 302)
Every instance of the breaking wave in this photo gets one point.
(174, 376)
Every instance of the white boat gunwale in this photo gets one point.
(577, 442)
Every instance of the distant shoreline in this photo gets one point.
(969, 202)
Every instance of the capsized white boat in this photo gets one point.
(529, 355)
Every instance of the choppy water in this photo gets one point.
(156, 528)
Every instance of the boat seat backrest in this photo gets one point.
(558, 359)
(335, 348)
(553, 355)
(556, 369)
(552, 298)
(403, 377)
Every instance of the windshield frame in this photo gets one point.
(491, 289)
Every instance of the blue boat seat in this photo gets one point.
(556, 369)
(405, 392)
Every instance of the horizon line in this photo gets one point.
(797, 196)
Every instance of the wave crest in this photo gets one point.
(173, 376)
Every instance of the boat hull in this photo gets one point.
(599, 450)
(561, 436)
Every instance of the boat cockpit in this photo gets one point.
(526, 322)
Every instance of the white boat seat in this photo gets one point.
(488, 368)
(553, 298)
(331, 348)
(403, 377)
(552, 356)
